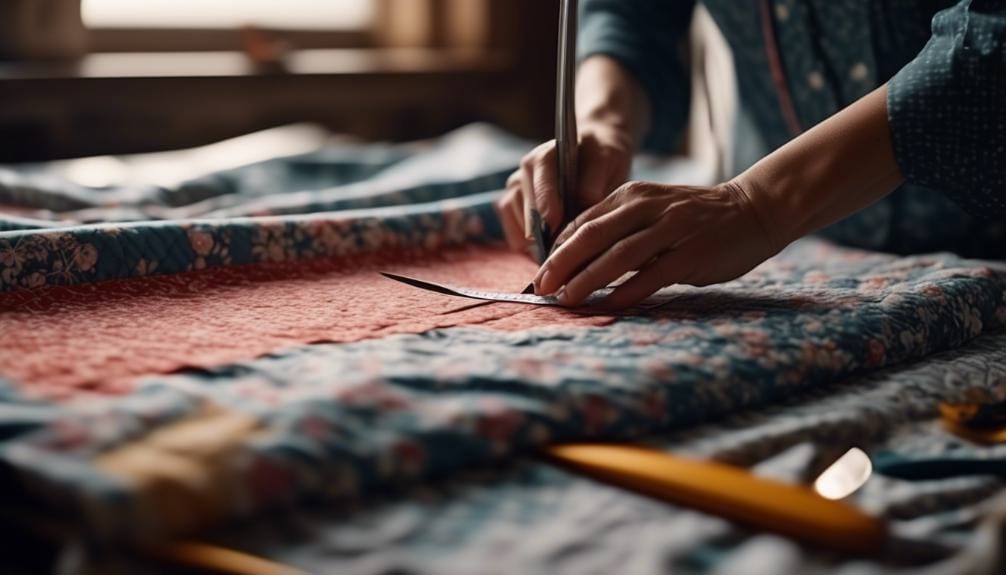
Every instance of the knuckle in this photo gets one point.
(591, 229)
(576, 223)
(633, 187)
(565, 234)
(543, 192)
(622, 252)
(611, 201)
(628, 191)
(543, 161)
(542, 152)
(579, 222)
(648, 192)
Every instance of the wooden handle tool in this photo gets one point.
(729, 492)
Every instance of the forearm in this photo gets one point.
(609, 95)
(837, 168)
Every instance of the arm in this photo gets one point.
(612, 114)
(835, 169)
(631, 89)
(609, 97)
(940, 122)
(701, 236)
(645, 37)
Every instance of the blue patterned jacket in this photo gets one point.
(800, 61)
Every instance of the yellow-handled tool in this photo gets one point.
(729, 492)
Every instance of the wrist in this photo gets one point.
(614, 134)
(609, 96)
(833, 170)
(763, 210)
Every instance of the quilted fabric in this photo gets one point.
(339, 420)
(101, 336)
(535, 518)
(264, 423)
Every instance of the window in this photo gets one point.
(277, 14)
(150, 75)
(212, 25)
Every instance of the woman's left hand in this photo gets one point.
(668, 234)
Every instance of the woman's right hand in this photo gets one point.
(604, 161)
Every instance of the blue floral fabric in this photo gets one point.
(304, 207)
(333, 423)
(40, 257)
(534, 518)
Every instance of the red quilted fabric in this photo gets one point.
(61, 341)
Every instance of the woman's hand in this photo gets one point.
(613, 113)
(605, 159)
(669, 234)
(702, 236)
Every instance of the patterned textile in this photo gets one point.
(88, 338)
(947, 118)
(533, 518)
(173, 453)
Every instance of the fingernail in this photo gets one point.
(542, 280)
(560, 295)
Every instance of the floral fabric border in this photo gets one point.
(69, 256)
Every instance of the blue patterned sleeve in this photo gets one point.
(947, 108)
(647, 37)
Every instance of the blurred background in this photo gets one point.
(91, 77)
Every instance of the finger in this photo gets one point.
(518, 218)
(588, 241)
(514, 181)
(511, 212)
(629, 254)
(617, 198)
(673, 267)
(527, 199)
(546, 188)
(537, 179)
(607, 205)
(511, 225)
